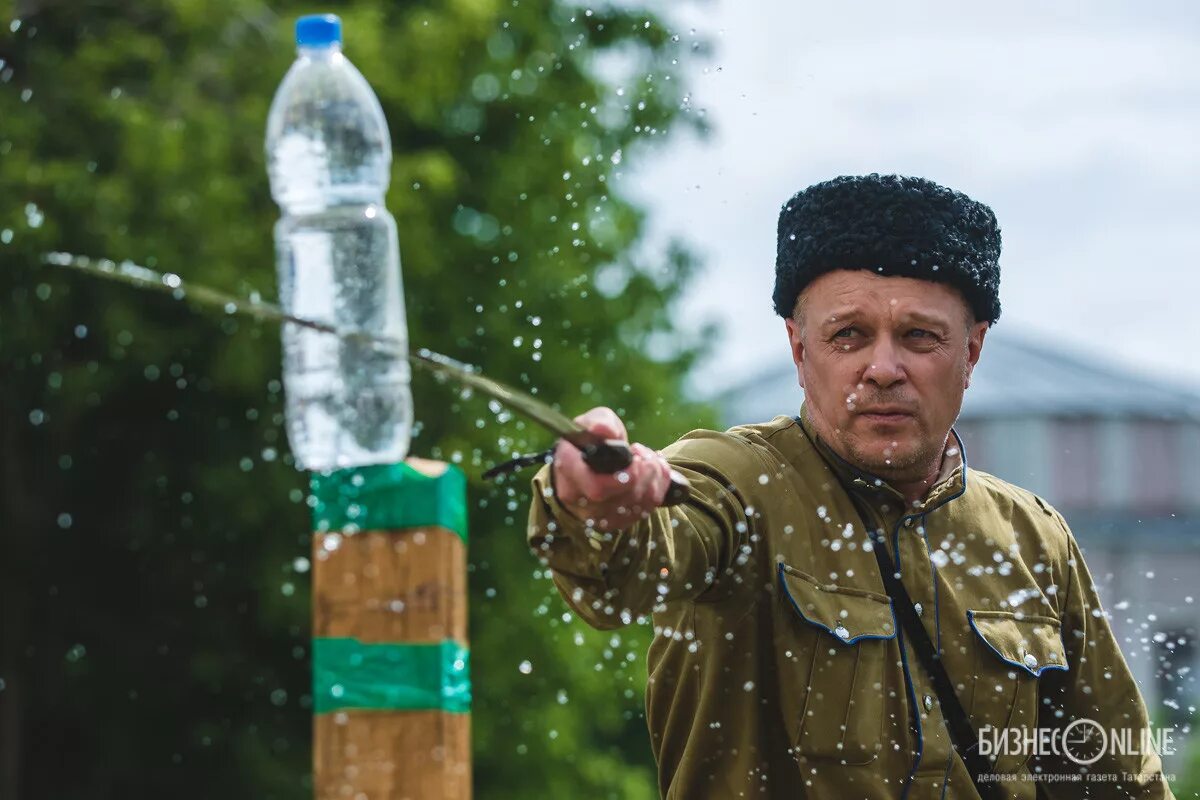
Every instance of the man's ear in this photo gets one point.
(975, 338)
(797, 348)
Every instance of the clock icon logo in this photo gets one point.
(1084, 741)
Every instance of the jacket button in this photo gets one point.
(920, 609)
(928, 703)
(841, 631)
(1030, 661)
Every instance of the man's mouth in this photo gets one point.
(886, 414)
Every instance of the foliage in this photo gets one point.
(153, 599)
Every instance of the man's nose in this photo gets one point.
(886, 365)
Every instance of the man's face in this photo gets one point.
(884, 362)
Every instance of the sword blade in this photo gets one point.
(602, 455)
(441, 366)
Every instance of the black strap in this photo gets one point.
(519, 463)
(958, 724)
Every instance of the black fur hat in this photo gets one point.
(894, 225)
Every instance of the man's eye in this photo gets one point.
(844, 333)
(920, 333)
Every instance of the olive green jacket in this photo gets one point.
(777, 670)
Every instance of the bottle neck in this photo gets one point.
(319, 52)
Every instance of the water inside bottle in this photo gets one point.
(349, 402)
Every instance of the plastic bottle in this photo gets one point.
(329, 159)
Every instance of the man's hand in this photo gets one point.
(613, 501)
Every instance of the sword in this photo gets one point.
(605, 456)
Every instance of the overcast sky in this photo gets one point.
(1079, 123)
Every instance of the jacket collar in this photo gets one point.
(951, 481)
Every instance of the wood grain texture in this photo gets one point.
(392, 755)
(390, 586)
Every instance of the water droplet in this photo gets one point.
(525, 667)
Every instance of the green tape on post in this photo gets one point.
(348, 674)
(390, 497)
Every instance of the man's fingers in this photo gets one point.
(573, 478)
(569, 473)
(614, 499)
(574, 481)
(655, 476)
(603, 421)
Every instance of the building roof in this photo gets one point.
(1014, 377)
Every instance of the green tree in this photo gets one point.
(153, 601)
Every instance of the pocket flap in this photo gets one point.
(1033, 643)
(846, 614)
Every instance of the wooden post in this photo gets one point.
(391, 685)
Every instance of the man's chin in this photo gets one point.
(884, 461)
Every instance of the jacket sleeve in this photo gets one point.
(1099, 687)
(697, 550)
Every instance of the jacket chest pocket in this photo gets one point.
(1013, 652)
(832, 653)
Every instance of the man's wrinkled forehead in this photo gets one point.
(856, 295)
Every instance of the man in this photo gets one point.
(787, 661)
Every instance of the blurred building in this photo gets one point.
(1117, 453)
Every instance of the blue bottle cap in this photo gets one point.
(318, 30)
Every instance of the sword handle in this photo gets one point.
(614, 455)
